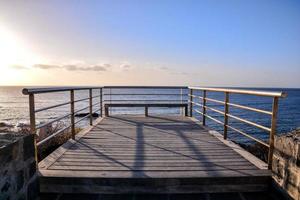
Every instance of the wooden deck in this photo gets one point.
(155, 154)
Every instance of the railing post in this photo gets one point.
(91, 106)
(106, 109)
(72, 114)
(204, 107)
(146, 111)
(101, 102)
(185, 110)
(190, 103)
(225, 114)
(32, 114)
(181, 100)
(33, 125)
(273, 131)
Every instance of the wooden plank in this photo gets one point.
(154, 174)
(89, 160)
(155, 163)
(147, 168)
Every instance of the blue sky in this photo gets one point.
(214, 43)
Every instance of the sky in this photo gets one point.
(242, 43)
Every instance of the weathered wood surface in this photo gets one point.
(146, 152)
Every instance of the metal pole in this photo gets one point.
(273, 131)
(204, 107)
(72, 114)
(101, 102)
(146, 111)
(190, 103)
(33, 125)
(181, 101)
(91, 106)
(225, 114)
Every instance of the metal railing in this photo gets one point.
(31, 92)
(158, 94)
(226, 114)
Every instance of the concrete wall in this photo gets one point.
(18, 174)
(286, 163)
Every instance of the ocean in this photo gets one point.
(14, 108)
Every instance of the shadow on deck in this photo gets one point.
(155, 154)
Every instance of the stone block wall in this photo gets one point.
(286, 164)
(18, 173)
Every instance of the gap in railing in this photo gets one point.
(145, 95)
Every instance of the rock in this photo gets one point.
(285, 166)
(85, 114)
(4, 124)
(18, 177)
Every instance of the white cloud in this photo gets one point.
(46, 66)
(19, 67)
(125, 66)
(75, 67)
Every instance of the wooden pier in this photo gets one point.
(154, 154)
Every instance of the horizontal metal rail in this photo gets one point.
(249, 122)
(208, 99)
(133, 94)
(27, 91)
(99, 109)
(242, 91)
(51, 107)
(212, 109)
(146, 100)
(214, 119)
(250, 108)
(52, 121)
(208, 116)
(83, 99)
(145, 87)
(248, 136)
(197, 104)
(215, 110)
(53, 135)
(214, 100)
(83, 118)
(93, 97)
(81, 109)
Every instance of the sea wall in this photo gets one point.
(18, 173)
(286, 164)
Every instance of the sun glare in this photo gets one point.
(12, 50)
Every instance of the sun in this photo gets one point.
(13, 52)
(12, 49)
